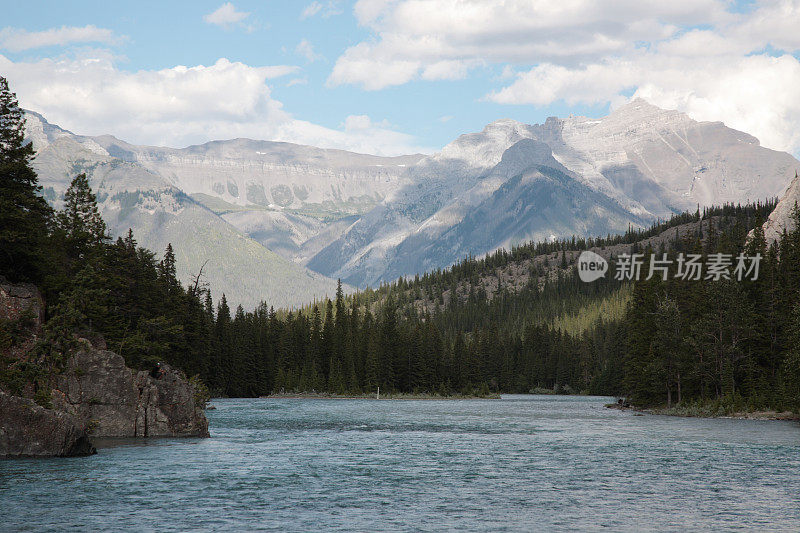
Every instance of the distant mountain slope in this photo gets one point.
(637, 165)
(640, 149)
(263, 173)
(131, 196)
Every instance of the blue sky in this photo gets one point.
(422, 71)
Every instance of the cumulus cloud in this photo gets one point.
(444, 39)
(17, 40)
(755, 93)
(225, 16)
(182, 105)
(693, 55)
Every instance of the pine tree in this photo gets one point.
(83, 228)
(24, 215)
(667, 346)
(166, 268)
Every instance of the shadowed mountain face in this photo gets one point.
(272, 217)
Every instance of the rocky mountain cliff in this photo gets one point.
(782, 217)
(280, 221)
(93, 395)
(245, 172)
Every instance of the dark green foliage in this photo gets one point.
(678, 343)
(24, 214)
(80, 223)
(731, 343)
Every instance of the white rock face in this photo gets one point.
(42, 133)
(702, 163)
(270, 174)
(782, 217)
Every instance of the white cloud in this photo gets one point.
(444, 39)
(324, 9)
(182, 105)
(362, 123)
(692, 55)
(225, 16)
(756, 93)
(306, 49)
(16, 40)
(720, 73)
(310, 10)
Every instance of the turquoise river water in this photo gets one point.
(522, 463)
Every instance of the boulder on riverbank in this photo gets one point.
(29, 430)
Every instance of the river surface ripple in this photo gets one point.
(522, 463)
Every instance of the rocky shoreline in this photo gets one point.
(100, 397)
(93, 395)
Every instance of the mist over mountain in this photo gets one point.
(280, 222)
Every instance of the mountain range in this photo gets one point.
(280, 222)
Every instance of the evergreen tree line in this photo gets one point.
(735, 344)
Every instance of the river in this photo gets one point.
(522, 463)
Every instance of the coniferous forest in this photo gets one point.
(513, 321)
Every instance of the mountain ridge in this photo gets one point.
(370, 219)
(652, 162)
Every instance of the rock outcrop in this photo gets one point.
(782, 217)
(94, 395)
(115, 401)
(29, 430)
(16, 299)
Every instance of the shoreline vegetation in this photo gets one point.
(481, 393)
(710, 410)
